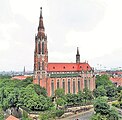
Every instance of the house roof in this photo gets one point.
(116, 79)
(19, 77)
(12, 118)
(71, 67)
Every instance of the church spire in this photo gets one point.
(78, 51)
(77, 56)
(24, 71)
(41, 25)
(40, 12)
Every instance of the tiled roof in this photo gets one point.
(62, 67)
(12, 118)
(116, 79)
(19, 77)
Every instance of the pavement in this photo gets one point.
(80, 116)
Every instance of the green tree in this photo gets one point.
(103, 80)
(59, 93)
(99, 91)
(111, 91)
(87, 95)
(98, 116)
(101, 106)
(30, 99)
(60, 102)
(113, 114)
(120, 96)
(1, 113)
(119, 88)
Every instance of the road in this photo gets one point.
(85, 116)
(80, 116)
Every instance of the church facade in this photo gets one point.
(72, 77)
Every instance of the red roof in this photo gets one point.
(62, 67)
(115, 79)
(19, 77)
(12, 118)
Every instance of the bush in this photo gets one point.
(113, 114)
(98, 117)
(47, 115)
(116, 104)
(59, 113)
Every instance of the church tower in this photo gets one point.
(77, 56)
(40, 54)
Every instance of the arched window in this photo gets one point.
(39, 48)
(58, 84)
(38, 65)
(79, 85)
(39, 79)
(74, 86)
(43, 65)
(52, 87)
(42, 47)
(89, 84)
(68, 85)
(63, 84)
(85, 83)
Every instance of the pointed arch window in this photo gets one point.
(43, 65)
(85, 83)
(52, 87)
(42, 47)
(74, 86)
(38, 65)
(58, 85)
(39, 79)
(39, 48)
(68, 85)
(79, 85)
(89, 83)
(63, 83)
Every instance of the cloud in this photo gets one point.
(93, 25)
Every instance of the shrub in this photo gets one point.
(116, 104)
(59, 113)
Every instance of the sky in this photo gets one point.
(95, 26)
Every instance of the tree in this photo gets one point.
(40, 90)
(113, 114)
(1, 113)
(30, 99)
(87, 94)
(59, 93)
(98, 117)
(60, 102)
(101, 106)
(80, 97)
(103, 80)
(120, 97)
(119, 88)
(99, 91)
(111, 91)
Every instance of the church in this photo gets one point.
(72, 77)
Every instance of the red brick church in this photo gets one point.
(72, 77)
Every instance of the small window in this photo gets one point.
(80, 66)
(58, 84)
(42, 47)
(73, 67)
(39, 48)
(52, 87)
(42, 65)
(53, 67)
(64, 67)
(38, 65)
